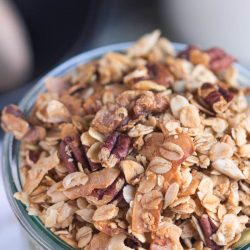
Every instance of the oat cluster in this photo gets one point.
(145, 149)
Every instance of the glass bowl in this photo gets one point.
(39, 236)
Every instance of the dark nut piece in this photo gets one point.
(160, 74)
(92, 166)
(108, 118)
(104, 196)
(154, 72)
(93, 103)
(115, 148)
(67, 157)
(13, 121)
(219, 60)
(208, 228)
(215, 98)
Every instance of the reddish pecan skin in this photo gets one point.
(68, 161)
(122, 146)
(92, 166)
(219, 59)
(214, 97)
(160, 74)
(111, 141)
(76, 148)
(208, 230)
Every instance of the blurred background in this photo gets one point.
(37, 35)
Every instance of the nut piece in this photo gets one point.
(217, 98)
(149, 102)
(218, 59)
(114, 149)
(108, 118)
(105, 212)
(159, 165)
(228, 168)
(208, 229)
(13, 121)
(131, 170)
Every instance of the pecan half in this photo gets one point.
(215, 58)
(13, 121)
(114, 149)
(208, 228)
(219, 59)
(214, 97)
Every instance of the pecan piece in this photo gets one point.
(115, 148)
(160, 74)
(92, 166)
(104, 196)
(13, 121)
(208, 228)
(150, 102)
(66, 157)
(155, 72)
(215, 98)
(97, 180)
(109, 117)
(219, 59)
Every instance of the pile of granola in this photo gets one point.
(146, 149)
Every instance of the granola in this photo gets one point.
(145, 149)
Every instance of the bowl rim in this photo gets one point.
(44, 237)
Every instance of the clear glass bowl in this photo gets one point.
(39, 236)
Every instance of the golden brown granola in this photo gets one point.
(145, 149)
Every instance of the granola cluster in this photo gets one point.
(146, 149)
